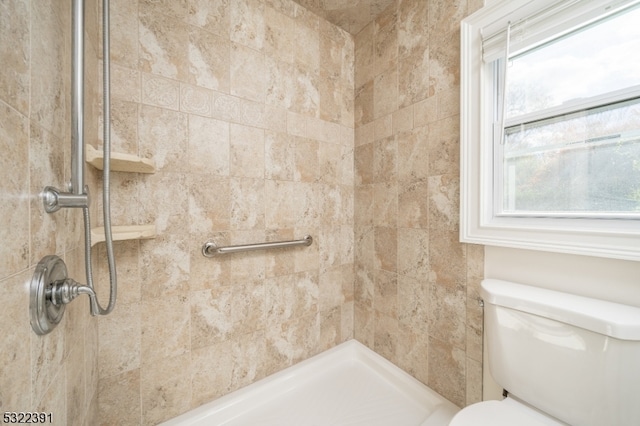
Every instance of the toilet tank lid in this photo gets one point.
(600, 316)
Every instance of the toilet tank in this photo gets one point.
(572, 357)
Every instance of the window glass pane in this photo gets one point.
(598, 59)
(587, 161)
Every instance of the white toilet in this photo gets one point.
(563, 359)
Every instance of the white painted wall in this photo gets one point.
(607, 279)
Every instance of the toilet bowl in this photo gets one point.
(563, 359)
(507, 412)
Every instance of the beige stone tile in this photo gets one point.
(119, 347)
(385, 298)
(15, 380)
(164, 44)
(449, 102)
(125, 83)
(167, 201)
(124, 187)
(294, 340)
(165, 389)
(127, 255)
(209, 204)
(413, 205)
(161, 92)
(364, 205)
(209, 60)
(413, 305)
(279, 156)
(172, 327)
(280, 262)
(246, 154)
(364, 134)
(447, 314)
(15, 55)
(385, 160)
(386, 39)
(171, 253)
(124, 43)
(425, 112)
(163, 138)
(14, 140)
(75, 386)
(119, 399)
(280, 35)
(203, 272)
(385, 204)
(363, 99)
(307, 98)
(474, 381)
(248, 23)
(280, 84)
(364, 321)
(474, 320)
(444, 66)
(385, 92)
(412, 22)
(364, 55)
(292, 296)
(331, 294)
(444, 146)
(330, 328)
(386, 253)
(447, 257)
(447, 367)
(307, 39)
(247, 203)
(49, 60)
(210, 15)
(383, 127)
(248, 73)
(174, 8)
(414, 83)
(412, 353)
(307, 166)
(225, 313)
(413, 155)
(47, 358)
(195, 100)
(402, 120)
(444, 202)
(282, 210)
(386, 336)
(347, 319)
(475, 263)
(124, 127)
(209, 146)
(54, 400)
(413, 253)
(237, 364)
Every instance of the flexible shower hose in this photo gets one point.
(96, 309)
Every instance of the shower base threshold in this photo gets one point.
(347, 385)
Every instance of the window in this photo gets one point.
(550, 140)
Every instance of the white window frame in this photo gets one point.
(613, 237)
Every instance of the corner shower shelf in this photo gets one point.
(122, 233)
(120, 162)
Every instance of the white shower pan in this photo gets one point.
(347, 385)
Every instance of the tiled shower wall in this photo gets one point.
(416, 286)
(56, 373)
(247, 109)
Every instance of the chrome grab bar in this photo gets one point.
(209, 249)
